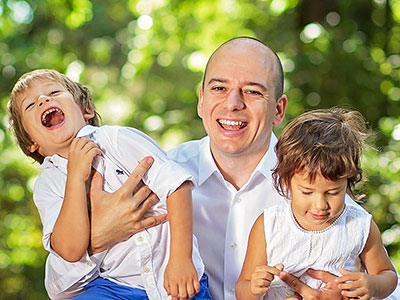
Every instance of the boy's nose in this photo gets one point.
(43, 99)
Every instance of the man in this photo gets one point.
(240, 100)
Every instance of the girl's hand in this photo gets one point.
(261, 278)
(356, 284)
(180, 279)
(80, 157)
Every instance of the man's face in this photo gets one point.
(51, 117)
(238, 105)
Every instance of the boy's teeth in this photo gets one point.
(49, 112)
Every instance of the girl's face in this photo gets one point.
(316, 205)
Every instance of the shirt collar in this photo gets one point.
(207, 164)
(60, 162)
(86, 131)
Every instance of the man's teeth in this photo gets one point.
(49, 112)
(231, 123)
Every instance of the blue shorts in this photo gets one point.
(100, 289)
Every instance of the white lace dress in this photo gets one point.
(337, 246)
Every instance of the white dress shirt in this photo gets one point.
(138, 262)
(224, 216)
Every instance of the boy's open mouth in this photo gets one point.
(52, 117)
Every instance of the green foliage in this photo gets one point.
(143, 60)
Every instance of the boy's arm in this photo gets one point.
(70, 236)
(381, 279)
(256, 275)
(180, 275)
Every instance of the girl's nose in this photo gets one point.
(43, 99)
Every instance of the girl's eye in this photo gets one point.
(333, 193)
(306, 193)
(29, 105)
(54, 92)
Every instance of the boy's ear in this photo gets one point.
(32, 148)
(88, 113)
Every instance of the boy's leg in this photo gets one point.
(100, 289)
(204, 293)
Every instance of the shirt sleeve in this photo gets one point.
(165, 176)
(63, 279)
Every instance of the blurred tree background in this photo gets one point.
(143, 60)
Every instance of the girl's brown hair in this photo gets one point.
(329, 141)
(80, 93)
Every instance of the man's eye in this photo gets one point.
(29, 105)
(218, 88)
(252, 92)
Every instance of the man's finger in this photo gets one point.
(294, 283)
(152, 221)
(321, 275)
(137, 174)
(96, 183)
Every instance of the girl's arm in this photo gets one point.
(256, 275)
(381, 279)
(71, 232)
(180, 276)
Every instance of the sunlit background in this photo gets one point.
(143, 61)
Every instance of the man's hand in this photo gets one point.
(117, 216)
(330, 291)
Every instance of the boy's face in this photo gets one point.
(316, 205)
(51, 117)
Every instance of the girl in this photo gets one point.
(318, 163)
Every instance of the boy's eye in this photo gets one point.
(29, 105)
(333, 193)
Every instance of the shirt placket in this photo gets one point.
(147, 273)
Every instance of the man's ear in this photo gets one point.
(200, 102)
(281, 104)
(88, 113)
(32, 148)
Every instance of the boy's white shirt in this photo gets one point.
(138, 262)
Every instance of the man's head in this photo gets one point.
(242, 97)
(38, 100)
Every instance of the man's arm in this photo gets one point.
(117, 216)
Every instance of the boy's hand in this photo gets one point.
(356, 285)
(180, 279)
(80, 157)
(261, 278)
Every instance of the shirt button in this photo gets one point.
(233, 245)
(146, 269)
(233, 290)
(140, 239)
(89, 264)
(238, 200)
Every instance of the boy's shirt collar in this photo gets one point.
(60, 162)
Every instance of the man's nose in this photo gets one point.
(235, 100)
(42, 99)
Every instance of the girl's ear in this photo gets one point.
(32, 148)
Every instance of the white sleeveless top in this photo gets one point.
(337, 246)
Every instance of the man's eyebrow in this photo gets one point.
(220, 80)
(249, 83)
(263, 87)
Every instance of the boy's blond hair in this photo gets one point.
(80, 93)
(326, 141)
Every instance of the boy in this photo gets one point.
(52, 118)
